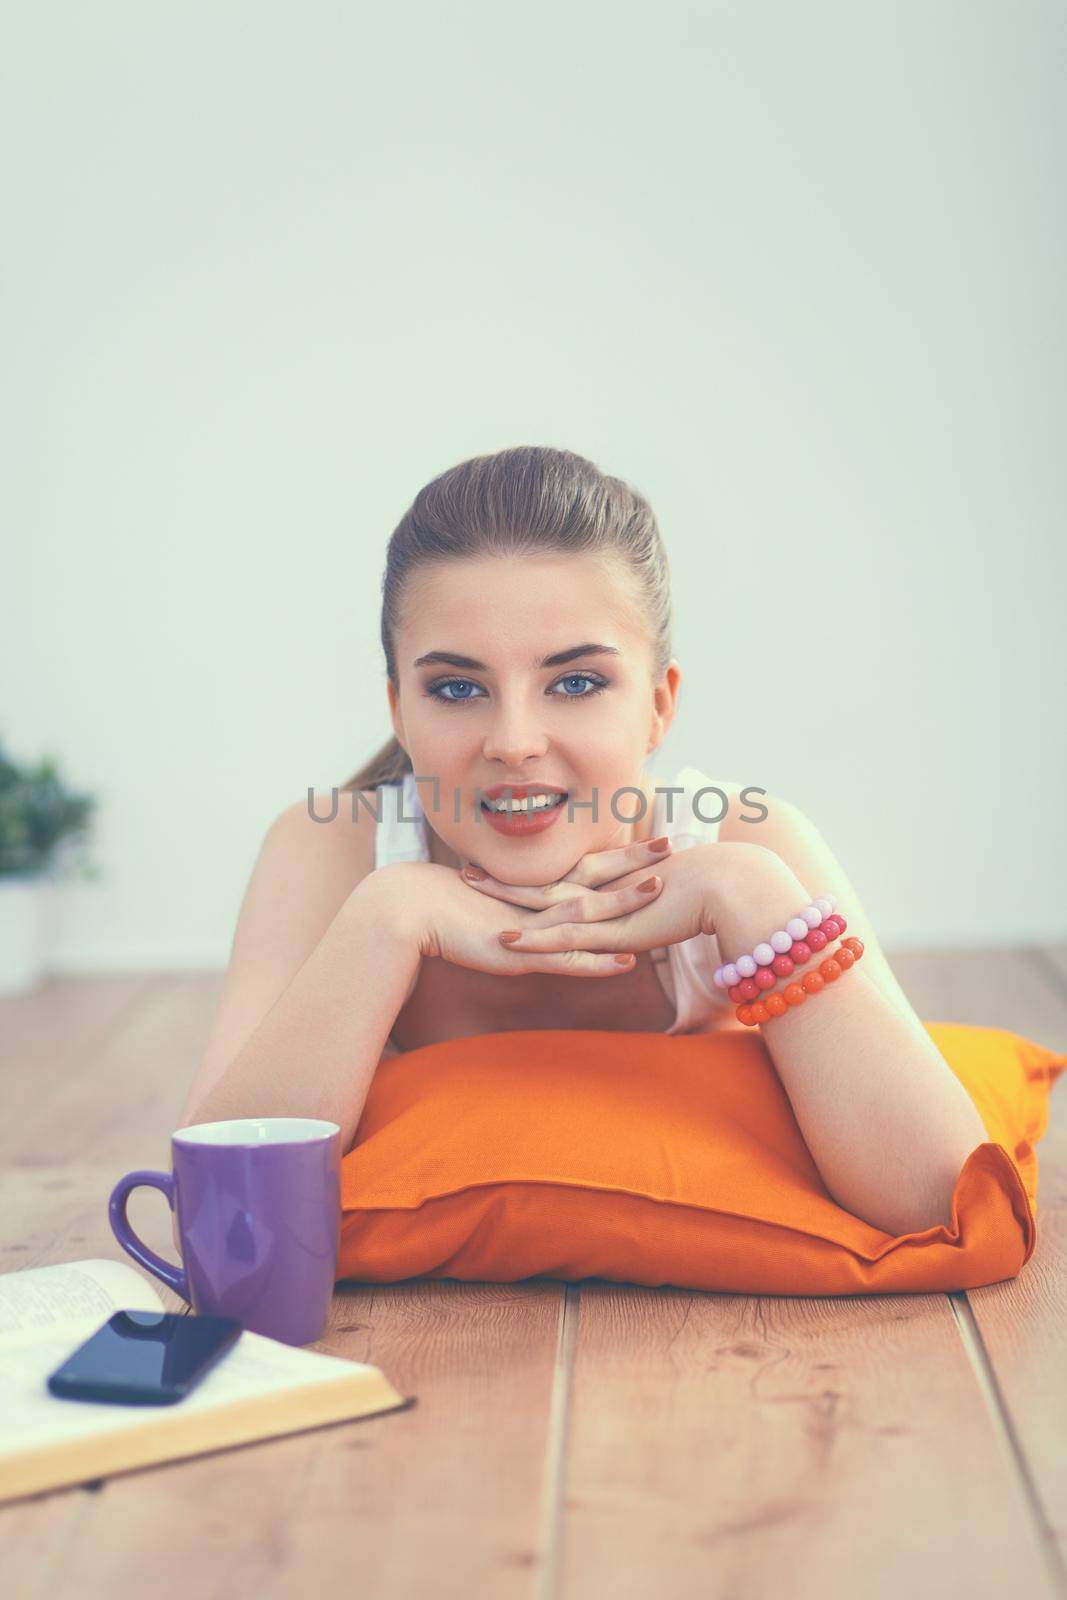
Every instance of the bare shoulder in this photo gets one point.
(751, 812)
(332, 829)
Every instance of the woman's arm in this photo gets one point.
(315, 1052)
(888, 1123)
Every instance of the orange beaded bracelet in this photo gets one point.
(795, 994)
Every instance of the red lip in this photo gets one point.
(519, 791)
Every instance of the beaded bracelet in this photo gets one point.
(801, 951)
(795, 994)
(789, 947)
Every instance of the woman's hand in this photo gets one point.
(576, 917)
(451, 922)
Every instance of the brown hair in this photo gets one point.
(522, 501)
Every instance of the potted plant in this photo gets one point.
(40, 818)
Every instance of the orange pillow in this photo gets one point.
(663, 1159)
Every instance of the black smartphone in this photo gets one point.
(144, 1358)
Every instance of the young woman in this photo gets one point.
(526, 629)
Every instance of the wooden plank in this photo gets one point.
(1054, 955)
(996, 988)
(1015, 1329)
(46, 1033)
(123, 1098)
(736, 1444)
(726, 1445)
(60, 1014)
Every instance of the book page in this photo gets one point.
(72, 1295)
(31, 1416)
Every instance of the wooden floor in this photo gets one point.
(574, 1441)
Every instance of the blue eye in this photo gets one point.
(449, 683)
(583, 677)
(598, 685)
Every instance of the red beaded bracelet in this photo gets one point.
(795, 994)
(801, 951)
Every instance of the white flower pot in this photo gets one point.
(22, 933)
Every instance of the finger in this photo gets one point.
(616, 934)
(536, 897)
(602, 866)
(533, 896)
(601, 904)
(513, 894)
(576, 963)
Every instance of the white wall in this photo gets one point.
(795, 271)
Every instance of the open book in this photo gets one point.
(259, 1389)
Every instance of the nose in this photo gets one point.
(514, 737)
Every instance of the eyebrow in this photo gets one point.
(450, 658)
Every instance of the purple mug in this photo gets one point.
(258, 1203)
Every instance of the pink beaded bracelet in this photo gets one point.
(804, 934)
(802, 950)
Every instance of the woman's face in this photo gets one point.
(584, 725)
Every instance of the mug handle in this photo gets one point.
(175, 1278)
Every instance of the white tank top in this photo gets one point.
(402, 834)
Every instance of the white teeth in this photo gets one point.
(536, 802)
